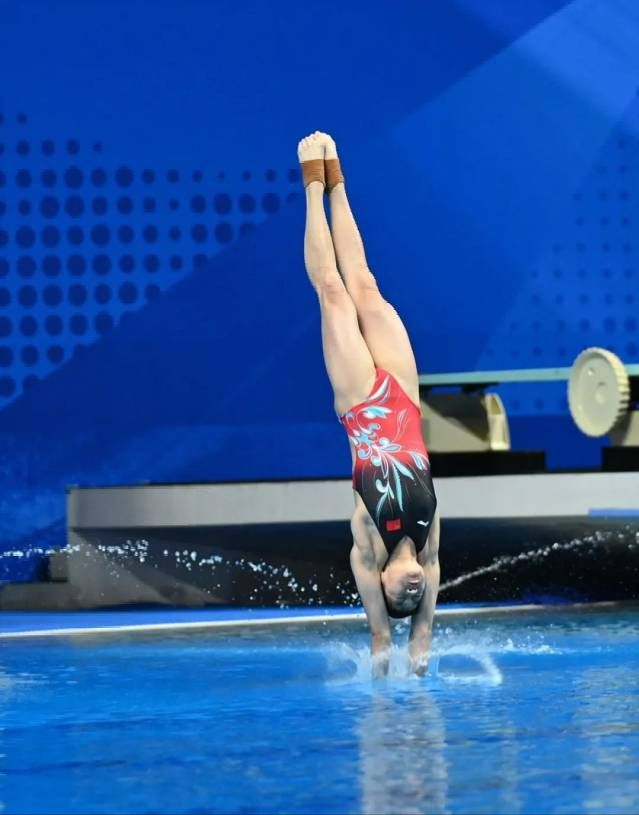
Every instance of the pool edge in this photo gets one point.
(292, 619)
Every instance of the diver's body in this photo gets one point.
(372, 369)
(369, 558)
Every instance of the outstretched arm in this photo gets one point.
(369, 587)
(421, 630)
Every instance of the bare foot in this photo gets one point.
(330, 148)
(312, 147)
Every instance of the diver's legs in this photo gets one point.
(381, 326)
(348, 361)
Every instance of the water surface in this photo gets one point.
(529, 713)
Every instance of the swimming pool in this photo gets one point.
(520, 713)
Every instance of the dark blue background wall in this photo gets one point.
(156, 323)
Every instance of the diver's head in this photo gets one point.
(403, 586)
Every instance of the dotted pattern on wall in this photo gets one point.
(85, 239)
(583, 289)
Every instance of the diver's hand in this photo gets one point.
(379, 664)
(380, 656)
(418, 650)
(418, 665)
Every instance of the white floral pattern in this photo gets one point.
(378, 444)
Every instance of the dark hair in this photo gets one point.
(394, 612)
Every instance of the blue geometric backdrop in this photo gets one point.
(156, 323)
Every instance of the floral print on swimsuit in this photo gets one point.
(385, 430)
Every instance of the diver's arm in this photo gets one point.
(421, 629)
(369, 586)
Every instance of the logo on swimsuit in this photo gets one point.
(393, 526)
(423, 523)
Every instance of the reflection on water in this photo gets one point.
(406, 760)
(495, 720)
(526, 714)
(610, 740)
(402, 767)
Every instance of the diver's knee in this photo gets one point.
(331, 291)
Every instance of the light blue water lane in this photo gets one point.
(529, 713)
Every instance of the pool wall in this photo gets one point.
(508, 538)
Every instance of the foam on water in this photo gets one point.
(467, 669)
(464, 665)
(460, 656)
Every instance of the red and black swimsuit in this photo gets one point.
(392, 469)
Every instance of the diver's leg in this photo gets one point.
(349, 363)
(381, 326)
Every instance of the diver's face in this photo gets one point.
(404, 585)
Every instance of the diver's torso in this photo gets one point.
(391, 469)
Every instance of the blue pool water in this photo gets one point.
(525, 713)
